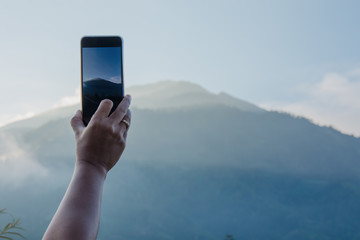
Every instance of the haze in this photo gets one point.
(301, 57)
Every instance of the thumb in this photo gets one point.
(77, 123)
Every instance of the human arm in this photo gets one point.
(98, 148)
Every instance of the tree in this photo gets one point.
(11, 229)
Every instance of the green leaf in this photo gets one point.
(11, 228)
(7, 227)
(15, 233)
(8, 238)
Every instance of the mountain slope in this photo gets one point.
(160, 95)
(195, 171)
(169, 94)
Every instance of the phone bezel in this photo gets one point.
(95, 42)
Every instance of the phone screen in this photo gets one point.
(101, 78)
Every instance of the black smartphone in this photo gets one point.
(101, 73)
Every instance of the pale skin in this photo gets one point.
(98, 148)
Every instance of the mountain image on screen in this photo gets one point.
(97, 89)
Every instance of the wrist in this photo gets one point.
(90, 168)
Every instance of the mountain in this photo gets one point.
(197, 165)
(181, 94)
(100, 82)
(161, 95)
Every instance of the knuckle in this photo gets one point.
(72, 120)
(117, 137)
(122, 143)
(95, 123)
(122, 111)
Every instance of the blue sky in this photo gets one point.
(104, 62)
(296, 56)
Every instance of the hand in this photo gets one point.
(103, 141)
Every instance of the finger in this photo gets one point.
(125, 123)
(77, 123)
(126, 119)
(103, 110)
(121, 109)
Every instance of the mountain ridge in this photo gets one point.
(100, 82)
(194, 172)
(183, 94)
(147, 96)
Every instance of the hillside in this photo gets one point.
(198, 165)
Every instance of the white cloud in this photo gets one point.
(17, 165)
(116, 79)
(31, 110)
(69, 100)
(334, 101)
(9, 118)
(338, 91)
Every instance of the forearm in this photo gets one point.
(78, 215)
(99, 146)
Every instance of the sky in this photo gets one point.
(300, 57)
(102, 62)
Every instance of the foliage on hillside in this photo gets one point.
(11, 229)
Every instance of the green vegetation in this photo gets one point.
(11, 229)
(199, 173)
